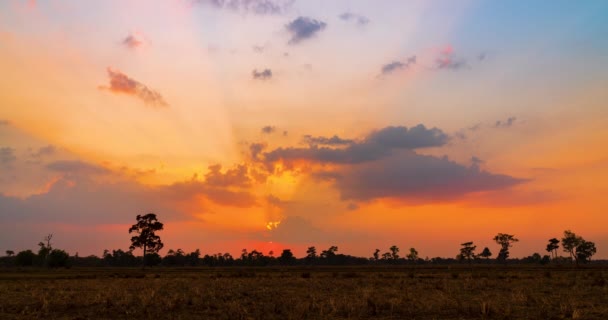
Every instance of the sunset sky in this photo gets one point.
(271, 124)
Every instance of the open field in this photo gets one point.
(456, 292)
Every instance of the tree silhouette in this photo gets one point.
(44, 250)
(569, 242)
(329, 253)
(394, 252)
(467, 251)
(146, 238)
(287, 257)
(413, 255)
(585, 250)
(25, 258)
(486, 253)
(505, 241)
(552, 247)
(10, 253)
(311, 254)
(579, 249)
(377, 255)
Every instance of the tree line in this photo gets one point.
(145, 238)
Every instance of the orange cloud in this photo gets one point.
(121, 83)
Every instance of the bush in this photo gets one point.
(58, 258)
(25, 258)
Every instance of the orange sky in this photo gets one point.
(296, 125)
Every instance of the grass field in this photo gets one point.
(456, 292)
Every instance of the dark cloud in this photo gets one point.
(266, 74)
(133, 41)
(357, 18)
(506, 123)
(385, 164)
(476, 162)
(76, 167)
(304, 28)
(121, 83)
(376, 145)
(256, 150)
(331, 141)
(397, 65)
(237, 176)
(482, 56)
(4, 122)
(451, 64)
(416, 178)
(7, 155)
(259, 7)
(269, 129)
(86, 202)
(390, 67)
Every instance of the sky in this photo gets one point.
(272, 124)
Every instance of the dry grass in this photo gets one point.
(306, 293)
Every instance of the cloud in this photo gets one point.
(332, 141)
(266, 74)
(4, 122)
(121, 83)
(76, 167)
(44, 151)
(258, 49)
(376, 145)
(255, 149)
(237, 176)
(228, 188)
(87, 202)
(7, 155)
(134, 40)
(269, 129)
(390, 67)
(357, 18)
(446, 60)
(304, 28)
(416, 178)
(296, 229)
(258, 7)
(505, 124)
(385, 164)
(397, 65)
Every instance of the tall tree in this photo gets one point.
(413, 255)
(585, 250)
(579, 249)
(552, 247)
(394, 252)
(467, 252)
(377, 254)
(146, 238)
(505, 241)
(311, 253)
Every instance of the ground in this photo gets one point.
(397, 292)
